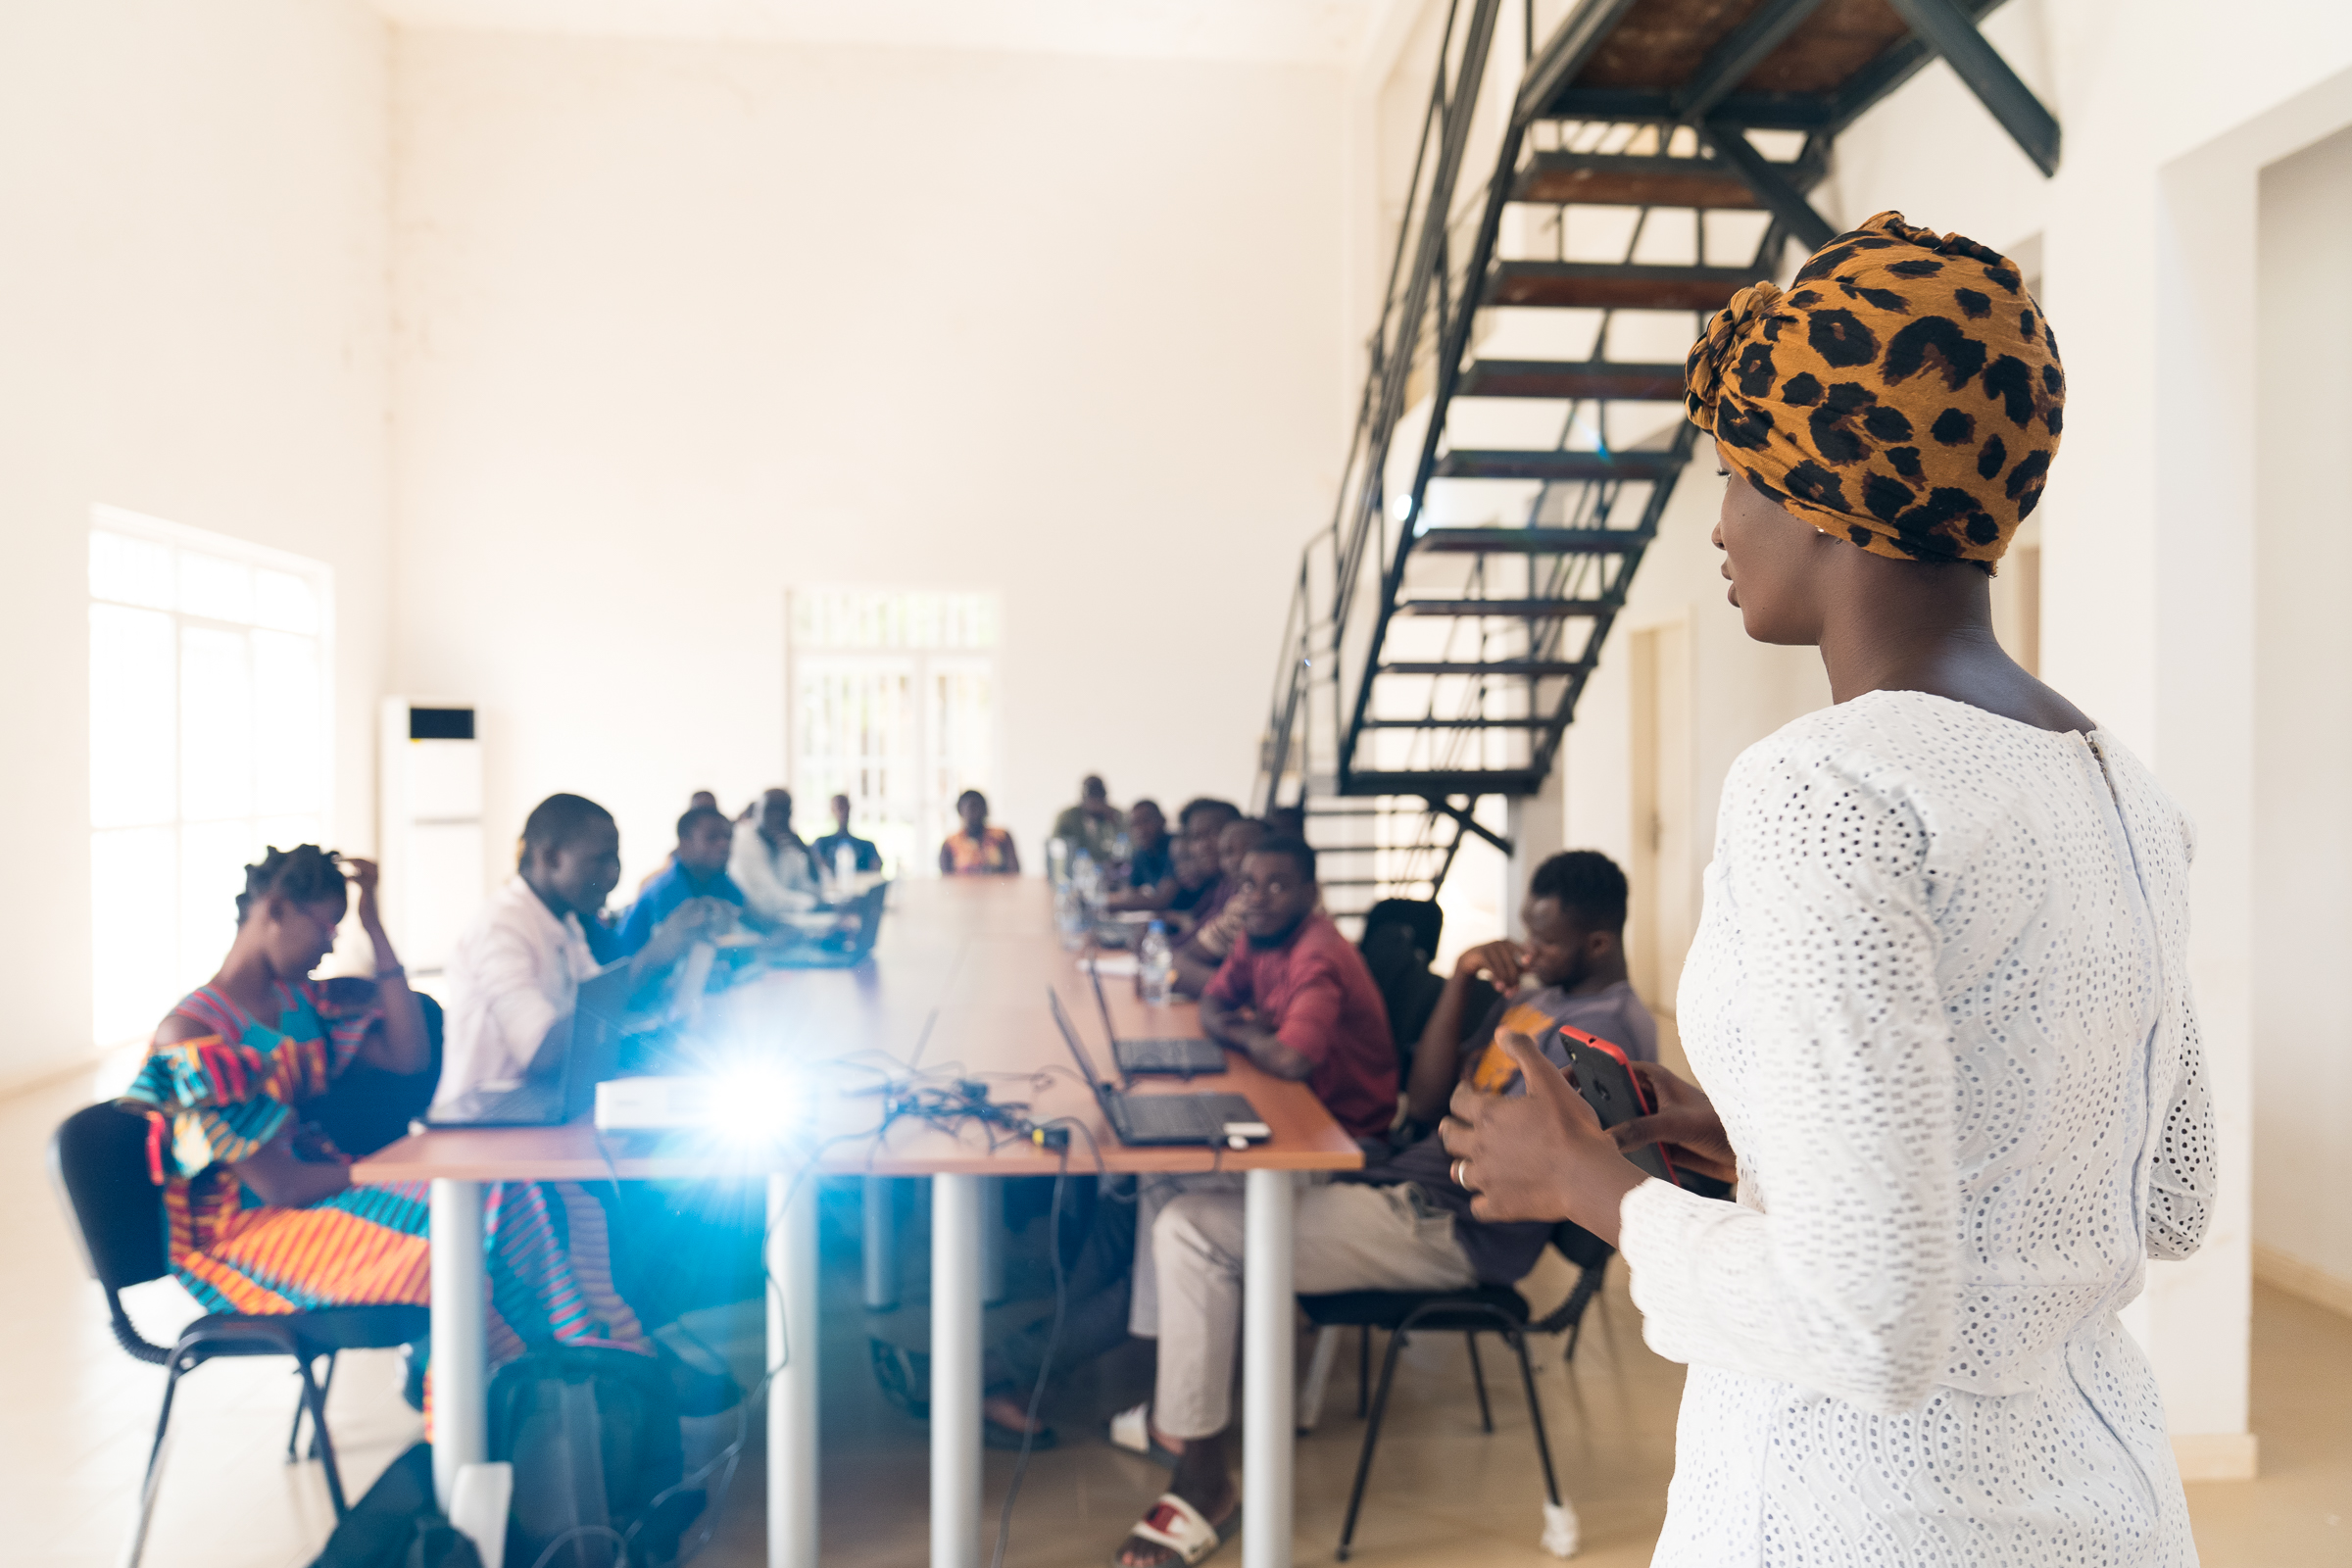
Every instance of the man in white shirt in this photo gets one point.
(516, 974)
(777, 871)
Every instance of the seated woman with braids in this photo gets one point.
(262, 1211)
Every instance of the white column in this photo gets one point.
(881, 1243)
(461, 1361)
(1269, 1431)
(792, 1336)
(956, 1219)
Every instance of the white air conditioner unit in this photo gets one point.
(429, 807)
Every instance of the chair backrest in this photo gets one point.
(98, 1159)
(1422, 917)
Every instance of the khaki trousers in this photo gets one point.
(1349, 1237)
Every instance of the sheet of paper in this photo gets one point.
(1115, 965)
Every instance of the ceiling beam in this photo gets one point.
(1977, 63)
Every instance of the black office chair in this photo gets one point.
(98, 1159)
(1496, 1310)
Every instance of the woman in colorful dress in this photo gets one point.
(262, 1214)
(977, 850)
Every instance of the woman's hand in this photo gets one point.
(364, 876)
(1542, 1156)
(1685, 1122)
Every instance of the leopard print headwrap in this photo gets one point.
(1904, 393)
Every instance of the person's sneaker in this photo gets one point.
(904, 1376)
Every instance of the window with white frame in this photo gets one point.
(210, 736)
(893, 697)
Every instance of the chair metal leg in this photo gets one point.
(152, 1483)
(1363, 1367)
(1535, 1416)
(1319, 1378)
(326, 1385)
(317, 1401)
(1478, 1376)
(1363, 1460)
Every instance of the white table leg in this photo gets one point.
(1268, 1306)
(881, 1242)
(792, 1335)
(956, 1217)
(460, 1334)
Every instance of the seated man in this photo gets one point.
(698, 870)
(1400, 1224)
(1296, 997)
(1570, 970)
(1198, 824)
(1094, 824)
(1151, 867)
(515, 975)
(1200, 955)
(865, 857)
(775, 870)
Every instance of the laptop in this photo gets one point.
(1145, 1120)
(1183, 1057)
(594, 1056)
(838, 949)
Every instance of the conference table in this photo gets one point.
(955, 987)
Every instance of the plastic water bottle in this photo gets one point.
(844, 866)
(1086, 878)
(1157, 962)
(1070, 917)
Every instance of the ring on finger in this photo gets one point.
(1461, 1175)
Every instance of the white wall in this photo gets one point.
(192, 211)
(680, 325)
(2302, 907)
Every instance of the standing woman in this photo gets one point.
(1939, 997)
(262, 1211)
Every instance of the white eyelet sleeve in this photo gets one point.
(1842, 1277)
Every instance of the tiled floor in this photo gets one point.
(78, 1413)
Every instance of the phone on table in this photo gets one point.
(1603, 1076)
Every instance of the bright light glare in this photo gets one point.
(758, 1103)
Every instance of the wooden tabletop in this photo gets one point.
(960, 973)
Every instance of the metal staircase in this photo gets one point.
(1520, 430)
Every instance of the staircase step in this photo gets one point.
(1520, 609)
(1598, 179)
(1534, 541)
(1457, 723)
(1513, 781)
(1534, 669)
(1607, 285)
(1571, 380)
(1563, 467)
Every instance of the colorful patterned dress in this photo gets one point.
(989, 854)
(216, 1100)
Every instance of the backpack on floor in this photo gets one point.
(592, 1437)
(395, 1524)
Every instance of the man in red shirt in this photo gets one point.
(1295, 997)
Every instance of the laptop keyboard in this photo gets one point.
(1202, 1116)
(1170, 1056)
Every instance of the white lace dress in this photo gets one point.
(1940, 996)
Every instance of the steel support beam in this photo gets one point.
(1565, 53)
(1997, 87)
(1736, 57)
(1728, 143)
(1466, 822)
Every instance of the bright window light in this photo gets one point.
(209, 740)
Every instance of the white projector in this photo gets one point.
(659, 1104)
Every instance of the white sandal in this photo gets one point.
(1130, 1429)
(1182, 1529)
